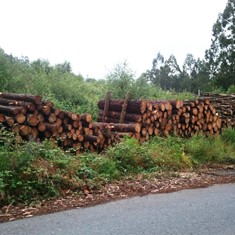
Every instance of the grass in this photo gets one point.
(35, 171)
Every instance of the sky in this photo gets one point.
(96, 35)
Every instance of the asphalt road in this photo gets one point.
(199, 211)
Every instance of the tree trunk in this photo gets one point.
(23, 97)
(135, 106)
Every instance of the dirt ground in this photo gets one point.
(140, 186)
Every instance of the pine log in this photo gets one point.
(92, 139)
(32, 120)
(16, 128)
(51, 127)
(52, 118)
(161, 105)
(46, 109)
(40, 117)
(8, 102)
(128, 117)
(2, 118)
(133, 127)
(134, 106)
(24, 130)
(33, 133)
(112, 120)
(124, 108)
(176, 104)
(23, 97)
(20, 118)
(86, 117)
(10, 110)
(10, 121)
(42, 127)
(106, 106)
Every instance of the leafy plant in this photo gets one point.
(228, 136)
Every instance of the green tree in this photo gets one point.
(4, 74)
(167, 74)
(221, 55)
(120, 81)
(64, 68)
(155, 73)
(41, 66)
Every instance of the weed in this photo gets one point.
(34, 171)
(228, 136)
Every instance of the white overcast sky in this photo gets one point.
(95, 35)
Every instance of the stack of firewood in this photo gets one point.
(161, 118)
(225, 107)
(32, 118)
(128, 116)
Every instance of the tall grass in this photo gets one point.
(32, 171)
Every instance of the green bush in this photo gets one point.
(228, 136)
(125, 155)
(231, 89)
(34, 171)
(211, 149)
(168, 154)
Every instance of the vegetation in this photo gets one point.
(72, 92)
(163, 81)
(35, 171)
(221, 55)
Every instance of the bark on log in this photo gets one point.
(124, 108)
(8, 102)
(86, 117)
(134, 127)
(106, 106)
(23, 97)
(135, 106)
(10, 121)
(161, 105)
(112, 120)
(10, 110)
(2, 118)
(128, 117)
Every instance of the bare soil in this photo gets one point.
(138, 186)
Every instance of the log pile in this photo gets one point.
(161, 118)
(225, 107)
(32, 118)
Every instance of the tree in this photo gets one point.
(41, 66)
(155, 73)
(64, 68)
(4, 74)
(221, 55)
(120, 81)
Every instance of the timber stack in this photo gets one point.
(32, 118)
(161, 118)
(225, 107)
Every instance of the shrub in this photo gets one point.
(228, 136)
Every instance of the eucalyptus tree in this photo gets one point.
(221, 54)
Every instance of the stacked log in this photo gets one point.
(225, 107)
(132, 119)
(162, 118)
(32, 118)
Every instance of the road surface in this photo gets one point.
(199, 211)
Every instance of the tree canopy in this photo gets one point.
(221, 54)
